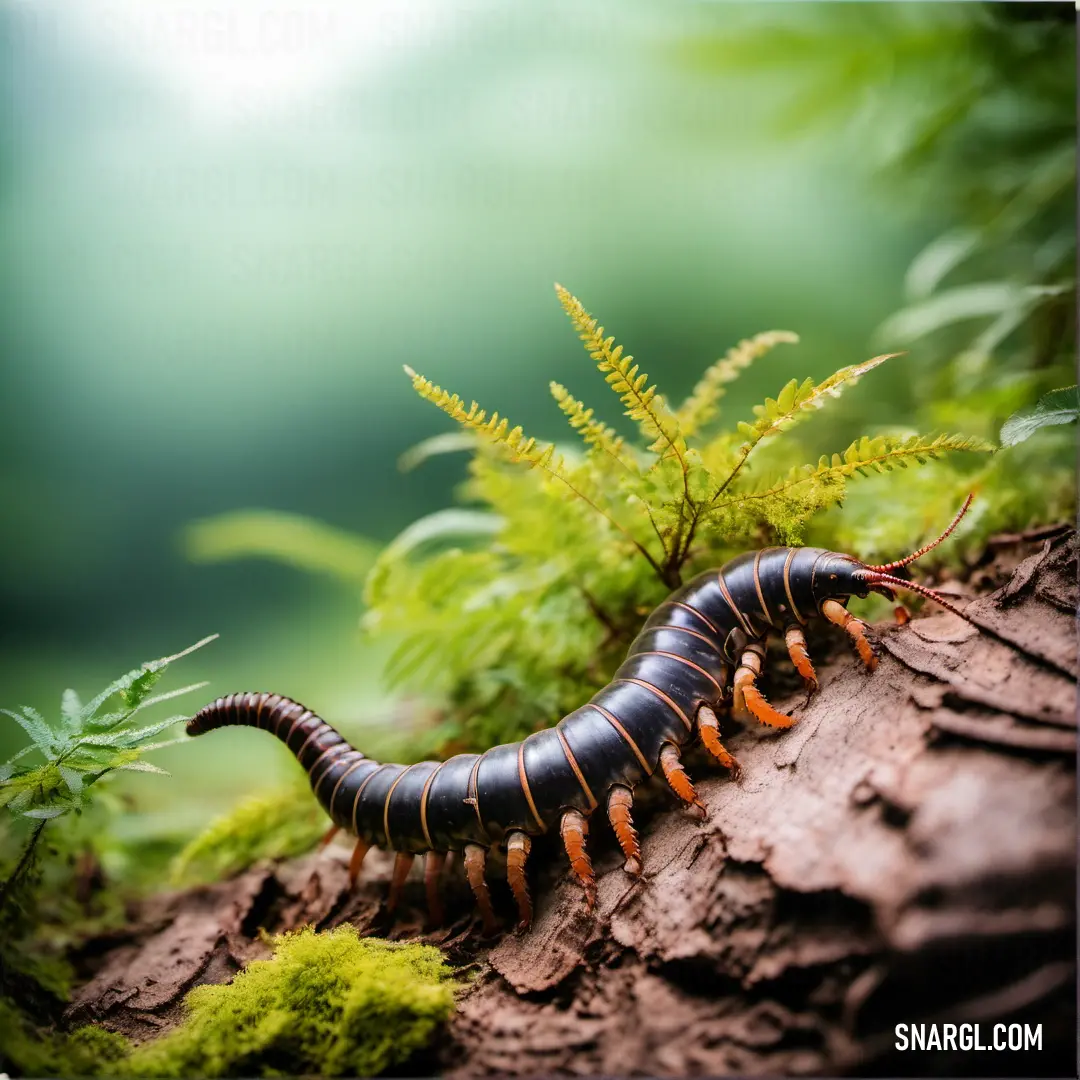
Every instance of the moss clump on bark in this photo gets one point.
(328, 1004)
(276, 825)
(87, 1051)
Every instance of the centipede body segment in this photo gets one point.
(701, 651)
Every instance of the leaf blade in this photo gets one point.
(1061, 406)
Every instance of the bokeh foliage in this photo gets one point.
(275, 825)
(970, 108)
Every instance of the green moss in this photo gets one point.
(329, 1004)
(91, 1050)
(274, 826)
(87, 1051)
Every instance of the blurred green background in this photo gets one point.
(227, 226)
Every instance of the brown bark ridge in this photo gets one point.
(905, 854)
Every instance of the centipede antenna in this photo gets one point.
(929, 547)
(922, 590)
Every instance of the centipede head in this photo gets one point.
(880, 578)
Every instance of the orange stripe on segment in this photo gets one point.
(292, 726)
(271, 707)
(688, 663)
(760, 594)
(731, 604)
(352, 768)
(289, 706)
(686, 630)
(423, 805)
(360, 791)
(662, 696)
(697, 614)
(577, 770)
(787, 586)
(386, 804)
(260, 702)
(341, 746)
(472, 793)
(525, 786)
(315, 731)
(625, 734)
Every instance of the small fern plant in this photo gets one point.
(515, 613)
(90, 742)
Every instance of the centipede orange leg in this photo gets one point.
(839, 615)
(795, 641)
(620, 803)
(677, 779)
(357, 861)
(402, 866)
(753, 699)
(475, 859)
(329, 835)
(709, 728)
(517, 851)
(434, 861)
(574, 830)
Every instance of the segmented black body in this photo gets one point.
(703, 640)
(682, 659)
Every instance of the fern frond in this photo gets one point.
(864, 456)
(641, 401)
(788, 503)
(595, 433)
(700, 407)
(494, 427)
(797, 399)
(513, 442)
(794, 402)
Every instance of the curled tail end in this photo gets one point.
(211, 716)
(281, 716)
(247, 710)
(314, 743)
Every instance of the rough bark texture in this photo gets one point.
(906, 853)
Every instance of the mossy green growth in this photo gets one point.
(326, 1004)
(276, 825)
(86, 1051)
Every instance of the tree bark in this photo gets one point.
(905, 854)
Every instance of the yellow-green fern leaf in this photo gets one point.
(885, 453)
(793, 403)
(701, 406)
(493, 427)
(788, 503)
(882, 453)
(641, 401)
(797, 399)
(595, 433)
(512, 441)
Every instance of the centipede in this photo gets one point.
(699, 654)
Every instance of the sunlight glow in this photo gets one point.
(236, 60)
